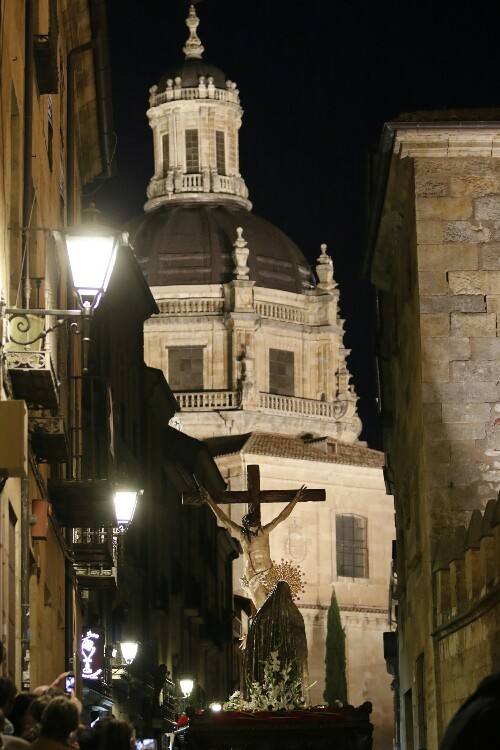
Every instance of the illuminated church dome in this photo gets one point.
(244, 323)
(197, 197)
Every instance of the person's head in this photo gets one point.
(38, 706)
(8, 692)
(251, 523)
(113, 734)
(59, 719)
(20, 716)
(86, 738)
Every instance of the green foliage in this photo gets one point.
(280, 690)
(335, 682)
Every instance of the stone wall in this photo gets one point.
(467, 611)
(436, 267)
(458, 220)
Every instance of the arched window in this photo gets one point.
(352, 546)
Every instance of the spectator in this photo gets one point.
(8, 742)
(85, 738)
(21, 717)
(113, 734)
(8, 692)
(476, 725)
(58, 721)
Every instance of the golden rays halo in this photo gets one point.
(285, 571)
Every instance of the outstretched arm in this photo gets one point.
(286, 511)
(223, 517)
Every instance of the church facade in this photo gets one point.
(251, 342)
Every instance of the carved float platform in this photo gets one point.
(308, 729)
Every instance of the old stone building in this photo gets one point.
(252, 345)
(82, 416)
(51, 146)
(435, 262)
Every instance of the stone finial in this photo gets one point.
(324, 270)
(240, 256)
(193, 47)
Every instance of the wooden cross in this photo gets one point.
(254, 496)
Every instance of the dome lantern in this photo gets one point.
(195, 115)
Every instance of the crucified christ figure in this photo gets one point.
(254, 539)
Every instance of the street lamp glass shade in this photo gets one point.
(125, 502)
(129, 651)
(187, 686)
(91, 259)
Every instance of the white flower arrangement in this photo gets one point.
(280, 690)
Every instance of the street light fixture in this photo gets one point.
(91, 251)
(129, 651)
(186, 685)
(125, 502)
(91, 256)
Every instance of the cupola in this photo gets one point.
(195, 115)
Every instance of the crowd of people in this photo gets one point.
(50, 719)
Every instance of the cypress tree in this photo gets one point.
(335, 682)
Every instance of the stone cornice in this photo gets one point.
(446, 140)
(162, 200)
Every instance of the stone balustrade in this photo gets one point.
(207, 400)
(215, 306)
(176, 93)
(308, 407)
(191, 306)
(208, 182)
(276, 311)
(302, 406)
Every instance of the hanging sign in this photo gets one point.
(92, 651)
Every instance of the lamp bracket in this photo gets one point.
(24, 327)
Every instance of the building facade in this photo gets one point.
(251, 342)
(435, 265)
(82, 415)
(51, 147)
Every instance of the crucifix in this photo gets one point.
(254, 537)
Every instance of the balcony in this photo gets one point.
(95, 558)
(207, 400)
(307, 407)
(49, 440)
(268, 402)
(33, 377)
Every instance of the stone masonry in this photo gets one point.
(436, 266)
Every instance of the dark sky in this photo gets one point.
(317, 79)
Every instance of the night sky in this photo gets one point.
(317, 79)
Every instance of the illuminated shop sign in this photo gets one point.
(92, 651)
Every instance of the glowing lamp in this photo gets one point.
(215, 707)
(187, 685)
(91, 255)
(129, 651)
(125, 502)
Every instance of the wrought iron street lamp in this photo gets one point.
(125, 502)
(91, 251)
